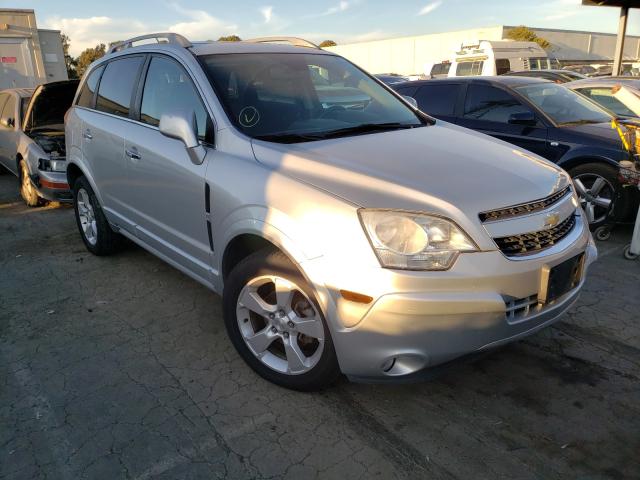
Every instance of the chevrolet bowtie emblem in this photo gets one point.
(552, 219)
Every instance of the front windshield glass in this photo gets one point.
(302, 97)
(564, 106)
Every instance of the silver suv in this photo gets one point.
(348, 232)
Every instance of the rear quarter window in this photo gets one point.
(85, 99)
(117, 84)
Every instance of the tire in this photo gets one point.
(279, 346)
(612, 191)
(602, 233)
(628, 255)
(27, 192)
(94, 228)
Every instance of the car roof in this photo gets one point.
(211, 48)
(502, 79)
(545, 70)
(21, 92)
(629, 81)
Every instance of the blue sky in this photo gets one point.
(89, 22)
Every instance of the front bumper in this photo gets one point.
(430, 318)
(52, 186)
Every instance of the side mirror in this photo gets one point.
(8, 122)
(523, 118)
(411, 100)
(183, 126)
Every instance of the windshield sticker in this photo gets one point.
(249, 117)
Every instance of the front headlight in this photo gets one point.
(414, 241)
(50, 165)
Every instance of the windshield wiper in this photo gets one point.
(579, 122)
(340, 132)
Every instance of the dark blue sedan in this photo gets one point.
(542, 117)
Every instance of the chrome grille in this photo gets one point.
(518, 308)
(524, 208)
(533, 242)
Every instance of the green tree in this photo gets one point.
(89, 55)
(525, 34)
(70, 62)
(230, 38)
(328, 43)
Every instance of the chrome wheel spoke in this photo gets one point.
(597, 186)
(296, 360)
(251, 300)
(590, 211)
(261, 341)
(580, 186)
(284, 292)
(311, 327)
(602, 202)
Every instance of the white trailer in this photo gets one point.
(495, 57)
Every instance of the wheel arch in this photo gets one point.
(573, 162)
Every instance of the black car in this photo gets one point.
(391, 78)
(558, 76)
(542, 117)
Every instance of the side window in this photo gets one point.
(85, 99)
(438, 99)
(8, 116)
(604, 96)
(117, 84)
(466, 69)
(502, 66)
(168, 89)
(484, 102)
(3, 99)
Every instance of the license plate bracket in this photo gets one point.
(560, 279)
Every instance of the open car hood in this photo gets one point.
(49, 103)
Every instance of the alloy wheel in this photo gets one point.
(596, 196)
(280, 324)
(87, 217)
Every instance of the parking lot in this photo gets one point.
(120, 367)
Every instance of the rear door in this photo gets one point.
(487, 109)
(104, 130)
(9, 132)
(439, 99)
(164, 190)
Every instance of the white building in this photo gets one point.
(408, 55)
(28, 56)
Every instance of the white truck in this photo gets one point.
(495, 57)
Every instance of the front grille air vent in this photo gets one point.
(524, 208)
(530, 243)
(518, 308)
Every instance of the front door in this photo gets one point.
(164, 189)
(487, 109)
(8, 132)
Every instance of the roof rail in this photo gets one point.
(295, 41)
(167, 37)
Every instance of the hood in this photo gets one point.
(436, 168)
(48, 105)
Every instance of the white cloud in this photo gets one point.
(267, 13)
(202, 25)
(560, 15)
(340, 7)
(430, 7)
(90, 31)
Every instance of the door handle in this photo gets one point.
(87, 135)
(133, 155)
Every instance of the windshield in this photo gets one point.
(303, 97)
(564, 106)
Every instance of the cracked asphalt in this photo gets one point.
(120, 367)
